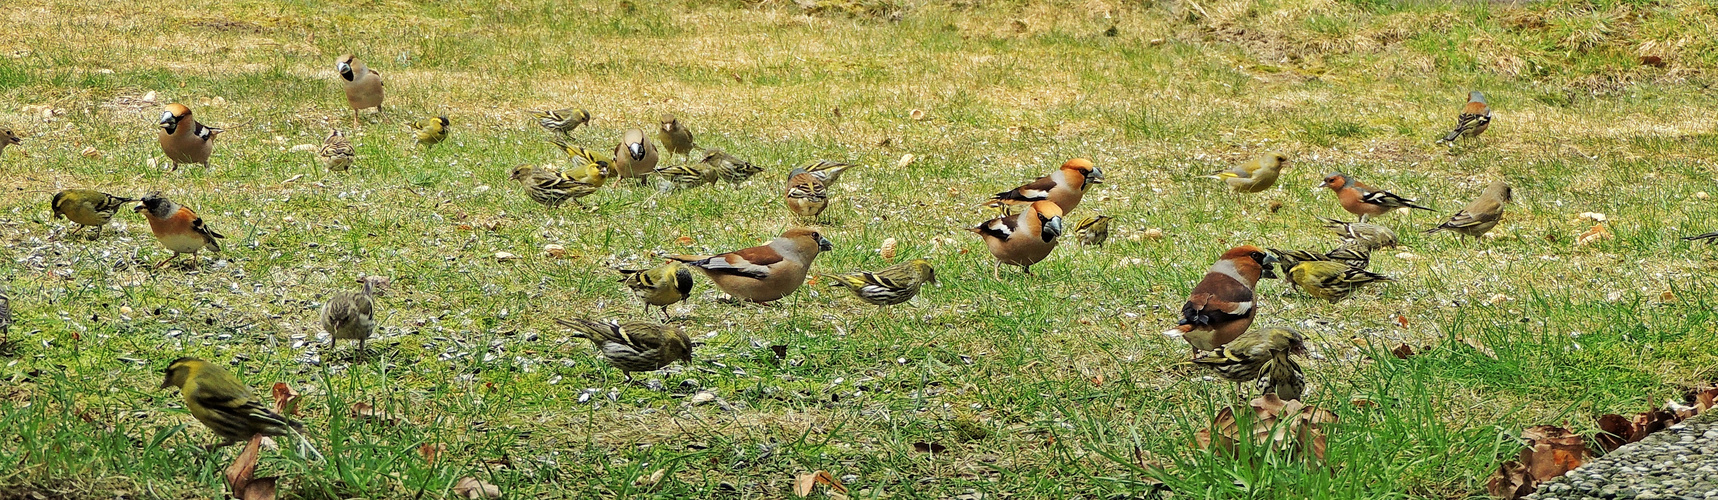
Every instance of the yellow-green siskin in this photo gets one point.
(551, 188)
(1365, 234)
(687, 176)
(634, 346)
(806, 195)
(1094, 230)
(729, 168)
(1255, 175)
(350, 315)
(1332, 281)
(587, 166)
(889, 286)
(431, 131)
(223, 403)
(562, 121)
(1261, 356)
(660, 286)
(1352, 255)
(337, 152)
(87, 207)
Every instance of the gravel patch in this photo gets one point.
(1679, 462)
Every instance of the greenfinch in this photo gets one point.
(1255, 175)
(1482, 215)
(224, 404)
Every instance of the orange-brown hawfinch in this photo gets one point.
(1221, 306)
(766, 272)
(184, 140)
(1065, 187)
(1022, 240)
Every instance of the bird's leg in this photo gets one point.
(996, 271)
(665, 317)
(1027, 269)
(363, 352)
(169, 259)
(1362, 217)
(355, 120)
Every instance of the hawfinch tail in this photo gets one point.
(1483, 214)
(1363, 200)
(1022, 240)
(363, 85)
(1474, 118)
(177, 228)
(763, 273)
(1064, 187)
(1221, 306)
(184, 140)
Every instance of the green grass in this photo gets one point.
(1055, 385)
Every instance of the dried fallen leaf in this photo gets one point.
(1510, 481)
(803, 483)
(1403, 351)
(285, 399)
(431, 451)
(906, 159)
(684, 241)
(1552, 451)
(1596, 234)
(91, 152)
(1402, 321)
(474, 488)
(1617, 430)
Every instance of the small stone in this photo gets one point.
(702, 397)
(555, 251)
(1701, 195)
(505, 256)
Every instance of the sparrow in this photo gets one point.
(1065, 187)
(224, 404)
(1329, 280)
(686, 176)
(1474, 118)
(1261, 357)
(1363, 200)
(763, 273)
(184, 140)
(1483, 214)
(562, 121)
(660, 286)
(8, 138)
(729, 168)
(587, 166)
(806, 195)
(87, 207)
(1022, 240)
(827, 171)
(177, 228)
(891, 285)
(350, 314)
(674, 136)
(1255, 175)
(552, 188)
(337, 152)
(1221, 306)
(431, 131)
(634, 346)
(363, 85)
(1363, 235)
(635, 156)
(1094, 230)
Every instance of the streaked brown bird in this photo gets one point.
(350, 315)
(562, 121)
(634, 346)
(1262, 357)
(676, 139)
(806, 196)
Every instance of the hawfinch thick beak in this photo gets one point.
(1053, 228)
(1097, 176)
(637, 150)
(167, 118)
(344, 68)
(824, 244)
(1270, 265)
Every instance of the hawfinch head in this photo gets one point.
(1086, 169)
(800, 234)
(1248, 255)
(171, 116)
(1050, 215)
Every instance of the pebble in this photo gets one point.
(1673, 463)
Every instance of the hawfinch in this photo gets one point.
(1064, 187)
(184, 140)
(635, 156)
(363, 85)
(763, 273)
(1221, 306)
(1022, 240)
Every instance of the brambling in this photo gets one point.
(177, 228)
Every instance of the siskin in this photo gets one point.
(660, 286)
(1261, 357)
(562, 121)
(1094, 230)
(1332, 281)
(87, 207)
(552, 188)
(889, 286)
(1364, 234)
(729, 168)
(634, 346)
(431, 131)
